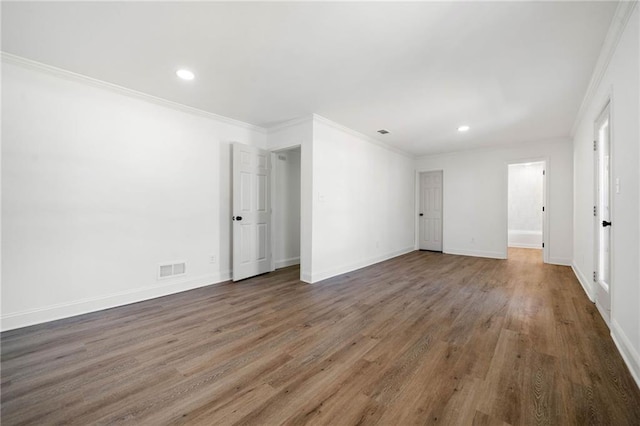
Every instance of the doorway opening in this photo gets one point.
(286, 200)
(602, 214)
(526, 207)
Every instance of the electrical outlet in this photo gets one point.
(212, 258)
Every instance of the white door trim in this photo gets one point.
(545, 196)
(605, 112)
(274, 205)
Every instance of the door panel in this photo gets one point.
(251, 212)
(430, 219)
(261, 193)
(262, 241)
(245, 192)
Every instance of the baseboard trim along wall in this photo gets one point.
(629, 355)
(622, 342)
(477, 253)
(559, 261)
(287, 262)
(522, 238)
(79, 307)
(320, 276)
(584, 282)
(525, 245)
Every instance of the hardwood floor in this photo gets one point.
(422, 338)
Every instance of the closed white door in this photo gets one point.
(430, 215)
(602, 215)
(251, 212)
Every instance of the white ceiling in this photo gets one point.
(514, 71)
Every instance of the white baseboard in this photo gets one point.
(476, 253)
(65, 310)
(319, 276)
(584, 282)
(604, 314)
(560, 261)
(526, 245)
(287, 262)
(626, 349)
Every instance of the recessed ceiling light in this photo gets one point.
(185, 74)
(383, 131)
(463, 128)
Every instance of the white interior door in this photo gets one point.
(251, 212)
(430, 215)
(602, 215)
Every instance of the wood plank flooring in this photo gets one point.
(424, 338)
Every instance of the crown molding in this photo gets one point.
(499, 147)
(359, 135)
(616, 29)
(289, 123)
(80, 78)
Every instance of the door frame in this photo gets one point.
(545, 202)
(417, 183)
(607, 109)
(272, 227)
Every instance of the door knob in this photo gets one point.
(236, 218)
(605, 223)
(421, 214)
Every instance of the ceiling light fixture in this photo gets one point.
(185, 74)
(383, 131)
(463, 128)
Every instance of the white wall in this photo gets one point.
(363, 201)
(286, 208)
(98, 188)
(357, 197)
(299, 133)
(620, 83)
(475, 198)
(525, 204)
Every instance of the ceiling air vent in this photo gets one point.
(383, 131)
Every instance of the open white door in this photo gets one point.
(430, 215)
(602, 214)
(251, 212)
